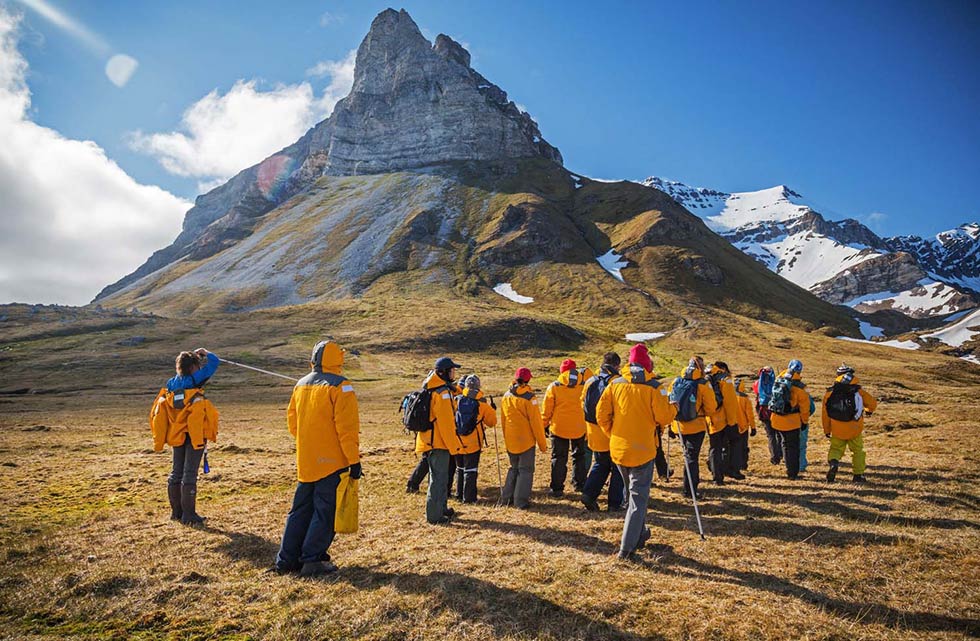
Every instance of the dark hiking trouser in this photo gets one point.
(720, 452)
(186, 462)
(419, 473)
(732, 453)
(692, 451)
(467, 468)
(520, 479)
(775, 446)
(790, 442)
(437, 496)
(309, 526)
(602, 469)
(740, 452)
(559, 462)
(660, 461)
(637, 480)
(452, 475)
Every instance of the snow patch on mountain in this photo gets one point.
(929, 296)
(909, 345)
(960, 332)
(645, 336)
(507, 291)
(613, 263)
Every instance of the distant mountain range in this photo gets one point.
(842, 262)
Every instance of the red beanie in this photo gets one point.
(566, 365)
(522, 374)
(640, 356)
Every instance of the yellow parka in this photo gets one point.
(182, 412)
(323, 417)
(597, 439)
(629, 411)
(442, 413)
(799, 400)
(520, 420)
(727, 414)
(746, 410)
(846, 430)
(562, 411)
(705, 404)
(473, 442)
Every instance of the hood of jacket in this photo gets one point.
(327, 357)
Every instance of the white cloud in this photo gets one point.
(875, 220)
(120, 69)
(329, 18)
(221, 134)
(73, 221)
(69, 25)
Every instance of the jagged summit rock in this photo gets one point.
(413, 104)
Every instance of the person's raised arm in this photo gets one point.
(208, 369)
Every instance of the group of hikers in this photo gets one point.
(611, 423)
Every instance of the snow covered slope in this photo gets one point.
(843, 262)
(962, 331)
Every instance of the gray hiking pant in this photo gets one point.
(437, 498)
(637, 481)
(520, 477)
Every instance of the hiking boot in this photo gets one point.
(412, 489)
(617, 508)
(738, 476)
(719, 481)
(832, 472)
(173, 493)
(644, 537)
(859, 478)
(317, 568)
(590, 503)
(188, 503)
(285, 569)
(556, 493)
(450, 512)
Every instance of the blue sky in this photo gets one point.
(868, 109)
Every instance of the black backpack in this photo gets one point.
(684, 394)
(467, 415)
(599, 383)
(416, 411)
(716, 387)
(842, 403)
(781, 401)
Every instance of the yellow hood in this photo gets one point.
(327, 357)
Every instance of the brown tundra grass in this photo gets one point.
(88, 551)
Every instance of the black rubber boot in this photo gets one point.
(832, 472)
(188, 502)
(173, 493)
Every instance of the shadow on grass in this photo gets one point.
(548, 536)
(669, 562)
(509, 612)
(245, 546)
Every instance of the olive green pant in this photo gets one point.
(856, 445)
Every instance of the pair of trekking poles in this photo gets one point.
(496, 447)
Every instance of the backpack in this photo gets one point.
(845, 403)
(684, 393)
(598, 386)
(781, 401)
(716, 387)
(416, 411)
(766, 380)
(467, 415)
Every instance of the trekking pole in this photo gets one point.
(668, 455)
(257, 369)
(690, 484)
(496, 456)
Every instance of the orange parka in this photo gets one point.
(846, 430)
(442, 413)
(746, 410)
(473, 442)
(705, 404)
(520, 420)
(629, 411)
(323, 417)
(562, 410)
(727, 413)
(183, 412)
(800, 404)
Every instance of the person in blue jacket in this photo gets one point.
(194, 369)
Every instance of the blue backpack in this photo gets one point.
(592, 395)
(684, 393)
(782, 397)
(467, 415)
(766, 380)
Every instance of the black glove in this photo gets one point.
(355, 471)
(492, 404)
(671, 434)
(827, 435)
(547, 431)
(752, 432)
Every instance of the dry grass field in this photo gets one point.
(88, 551)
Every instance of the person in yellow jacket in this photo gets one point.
(790, 405)
(746, 424)
(722, 424)
(694, 401)
(562, 415)
(441, 441)
(475, 412)
(845, 405)
(629, 411)
(324, 421)
(520, 420)
(602, 466)
(185, 419)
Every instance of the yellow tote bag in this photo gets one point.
(345, 517)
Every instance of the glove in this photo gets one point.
(827, 435)
(355, 471)
(547, 431)
(752, 432)
(492, 404)
(671, 434)
(867, 413)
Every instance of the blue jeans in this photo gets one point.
(602, 469)
(309, 526)
(804, 437)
